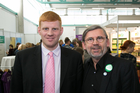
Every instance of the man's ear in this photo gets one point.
(83, 45)
(108, 43)
(61, 30)
(39, 29)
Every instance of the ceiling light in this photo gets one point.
(73, 8)
(127, 8)
(97, 8)
(109, 7)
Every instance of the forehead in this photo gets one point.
(50, 23)
(95, 33)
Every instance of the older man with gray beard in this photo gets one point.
(104, 73)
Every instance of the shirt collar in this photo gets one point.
(45, 51)
(101, 62)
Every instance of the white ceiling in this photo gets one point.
(73, 9)
(90, 8)
(65, 6)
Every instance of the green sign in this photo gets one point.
(2, 39)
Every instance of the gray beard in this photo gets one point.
(97, 56)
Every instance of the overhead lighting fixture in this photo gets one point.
(127, 8)
(109, 7)
(82, 4)
(97, 8)
(73, 8)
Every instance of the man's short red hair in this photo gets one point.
(49, 16)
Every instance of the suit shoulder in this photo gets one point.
(122, 62)
(28, 50)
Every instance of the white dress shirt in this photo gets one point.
(57, 63)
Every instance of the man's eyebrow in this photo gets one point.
(44, 27)
(55, 28)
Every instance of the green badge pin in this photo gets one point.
(108, 67)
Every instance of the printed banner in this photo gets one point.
(2, 39)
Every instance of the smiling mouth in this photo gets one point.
(50, 39)
(96, 48)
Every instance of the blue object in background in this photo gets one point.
(70, 45)
(18, 40)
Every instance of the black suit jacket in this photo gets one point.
(122, 79)
(27, 74)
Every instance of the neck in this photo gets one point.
(50, 48)
(95, 61)
(124, 51)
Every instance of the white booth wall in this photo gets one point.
(7, 20)
(30, 32)
(8, 26)
(68, 32)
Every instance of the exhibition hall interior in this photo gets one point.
(19, 20)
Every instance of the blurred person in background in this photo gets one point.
(78, 43)
(74, 42)
(15, 49)
(71, 45)
(28, 45)
(67, 43)
(10, 52)
(126, 49)
(61, 42)
(20, 47)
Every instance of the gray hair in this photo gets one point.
(93, 27)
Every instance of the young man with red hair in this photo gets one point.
(31, 65)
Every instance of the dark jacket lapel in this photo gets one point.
(37, 59)
(64, 65)
(106, 78)
(87, 66)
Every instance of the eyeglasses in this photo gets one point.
(99, 39)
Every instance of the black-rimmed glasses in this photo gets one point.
(99, 39)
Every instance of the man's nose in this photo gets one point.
(50, 32)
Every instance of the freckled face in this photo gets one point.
(50, 33)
